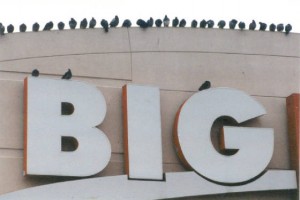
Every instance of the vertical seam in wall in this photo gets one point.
(130, 51)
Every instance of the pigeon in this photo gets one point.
(232, 24)
(221, 24)
(166, 21)
(205, 85)
(150, 22)
(175, 22)
(252, 25)
(158, 23)
(67, 75)
(182, 23)
(272, 27)
(126, 23)
(35, 73)
(2, 29)
(242, 25)
(203, 23)
(23, 28)
(280, 27)
(288, 29)
(114, 22)
(210, 23)
(141, 23)
(262, 26)
(48, 26)
(92, 23)
(61, 26)
(83, 24)
(10, 28)
(194, 24)
(104, 24)
(35, 27)
(72, 23)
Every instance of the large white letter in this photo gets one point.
(142, 132)
(192, 136)
(58, 109)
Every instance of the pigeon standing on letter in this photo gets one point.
(166, 21)
(203, 23)
(92, 23)
(10, 28)
(158, 23)
(175, 22)
(67, 75)
(272, 27)
(194, 24)
(126, 23)
(61, 26)
(205, 85)
(35, 27)
(262, 26)
(232, 24)
(288, 29)
(280, 27)
(104, 24)
(114, 22)
(83, 24)
(252, 25)
(210, 23)
(72, 23)
(23, 28)
(221, 24)
(242, 25)
(35, 73)
(182, 23)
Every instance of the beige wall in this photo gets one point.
(266, 65)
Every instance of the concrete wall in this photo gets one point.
(266, 65)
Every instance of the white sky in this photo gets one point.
(29, 11)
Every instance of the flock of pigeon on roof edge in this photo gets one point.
(166, 22)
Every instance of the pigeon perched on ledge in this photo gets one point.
(232, 24)
(61, 26)
(288, 29)
(262, 26)
(35, 73)
(242, 25)
(104, 24)
(182, 23)
(126, 23)
(72, 23)
(272, 27)
(280, 27)
(35, 27)
(221, 24)
(114, 22)
(83, 24)
(67, 75)
(158, 23)
(175, 22)
(141, 23)
(252, 25)
(203, 23)
(48, 26)
(205, 85)
(92, 23)
(166, 21)
(23, 28)
(10, 28)
(194, 23)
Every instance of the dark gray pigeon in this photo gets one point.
(2, 29)
(83, 24)
(194, 24)
(141, 23)
(126, 23)
(35, 27)
(272, 27)
(166, 21)
(252, 25)
(288, 29)
(158, 23)
(262, 26)
(182, 23)
(203, 23)
(242, 25)
(210, 23)
(23, 28)
(10, 28)
(280, 27)
(150, 22)
(104, 24)
(35, 73)
(232, 24)
(175, 22)
(72, 23)
(114, 22)
(67, 75)
(205, 85)
(92, 23)
(48, 26)
(61, 26)
(221, 24)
